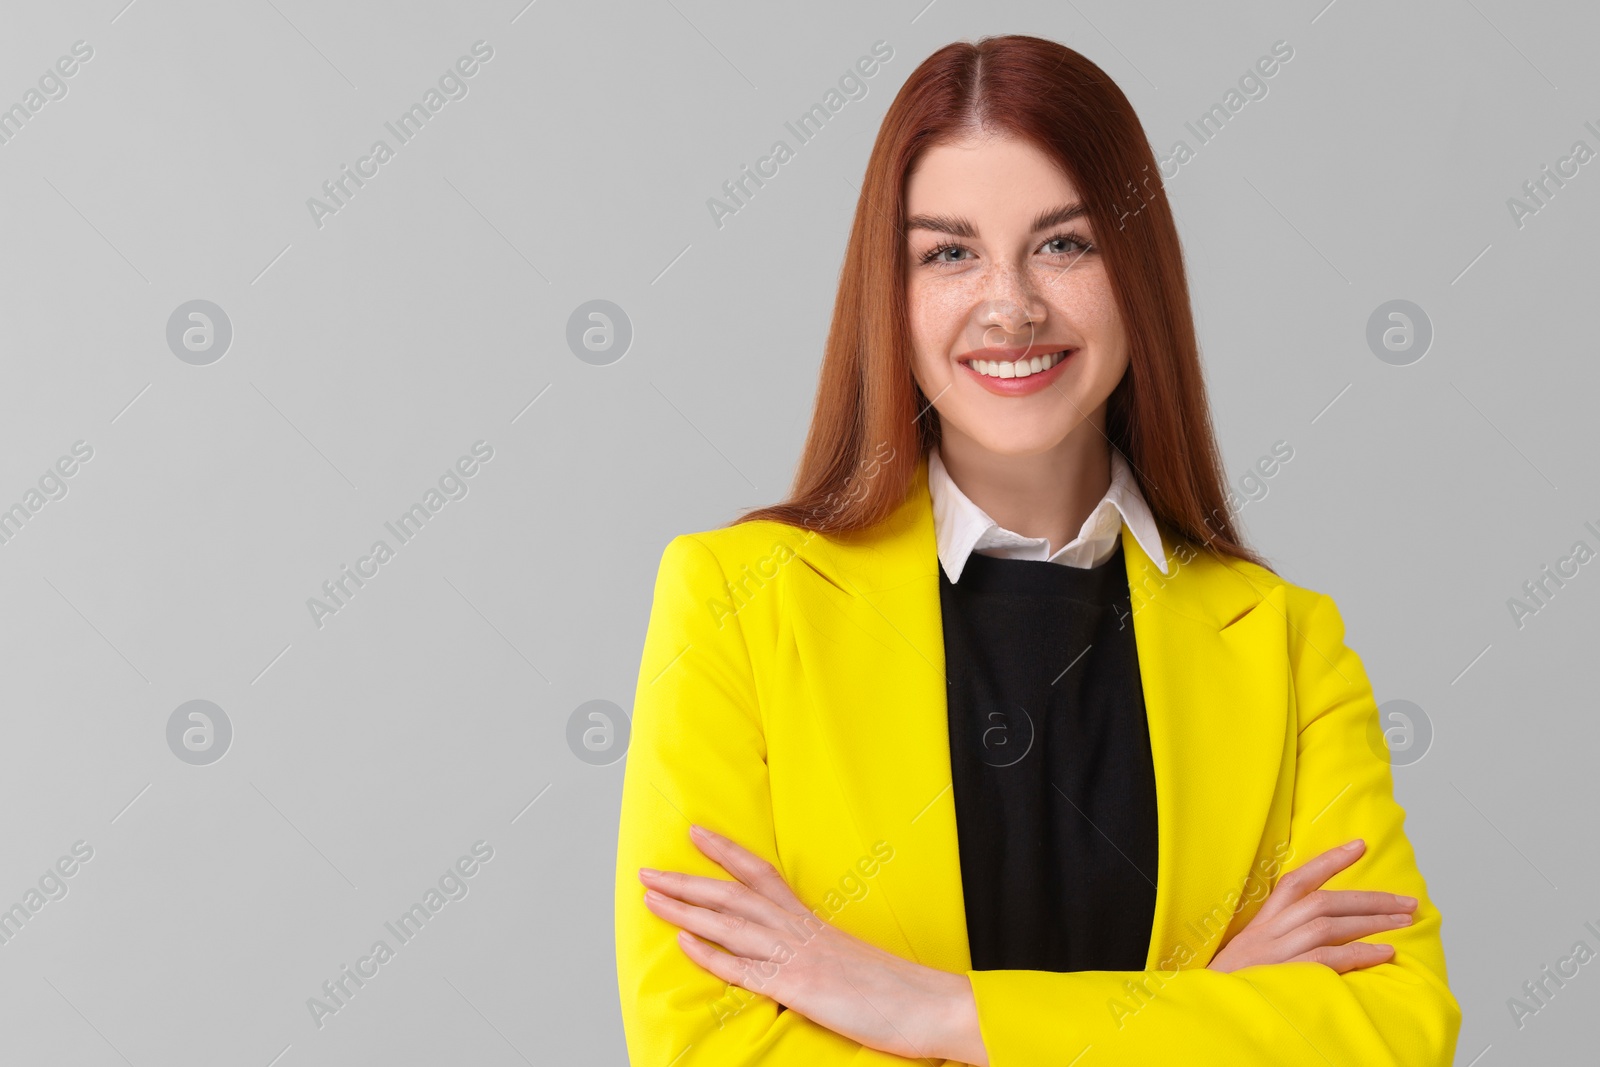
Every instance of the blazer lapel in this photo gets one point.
(867, 624)
(866, 619)
(1213, 661)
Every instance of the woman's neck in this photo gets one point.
(1047, 494)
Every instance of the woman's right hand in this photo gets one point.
(1300, 921)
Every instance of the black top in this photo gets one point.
(1055, 790)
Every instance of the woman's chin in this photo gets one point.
(1020, 441)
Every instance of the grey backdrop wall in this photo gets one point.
(225, 381)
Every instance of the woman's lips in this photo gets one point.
(1014, 386)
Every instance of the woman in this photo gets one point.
(974, 797)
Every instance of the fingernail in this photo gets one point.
(653, 897)
(699, 831)
(1352, 846)
(648, 872)
(1407, 902)
(1403, 919)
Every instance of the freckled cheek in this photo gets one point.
(1086, 301)
(938, 317)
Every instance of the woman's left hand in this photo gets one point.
(778, 948)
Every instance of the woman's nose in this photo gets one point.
(1007, 322)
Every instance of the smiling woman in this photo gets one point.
(1092, 823)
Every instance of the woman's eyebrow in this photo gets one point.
(960, 227)
(1057, 216)
(951, 224)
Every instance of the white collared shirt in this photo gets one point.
(962, 527)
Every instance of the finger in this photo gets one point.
(718, 894)
(1338, 902)
(757, 976)
(1309, 876)
(1344, 958)
(740, 936)
(1329, 930)
(726, 967)
(749, 868)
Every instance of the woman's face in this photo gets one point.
(1002, 269)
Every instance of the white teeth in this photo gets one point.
(1022, 368)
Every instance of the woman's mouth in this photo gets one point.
(1020, 368)
(1019, 374)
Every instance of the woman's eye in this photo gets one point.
(934, 253)
(1066, 239)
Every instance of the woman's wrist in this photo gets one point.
(953, 1029)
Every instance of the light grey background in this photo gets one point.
(431, 311)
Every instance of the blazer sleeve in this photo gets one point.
(697, 753)
(1393, 1014)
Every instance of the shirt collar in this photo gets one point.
(961, 526)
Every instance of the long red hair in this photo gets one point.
(870, 415)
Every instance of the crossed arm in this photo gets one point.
(697, 754)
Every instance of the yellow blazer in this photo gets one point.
(791, 696)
